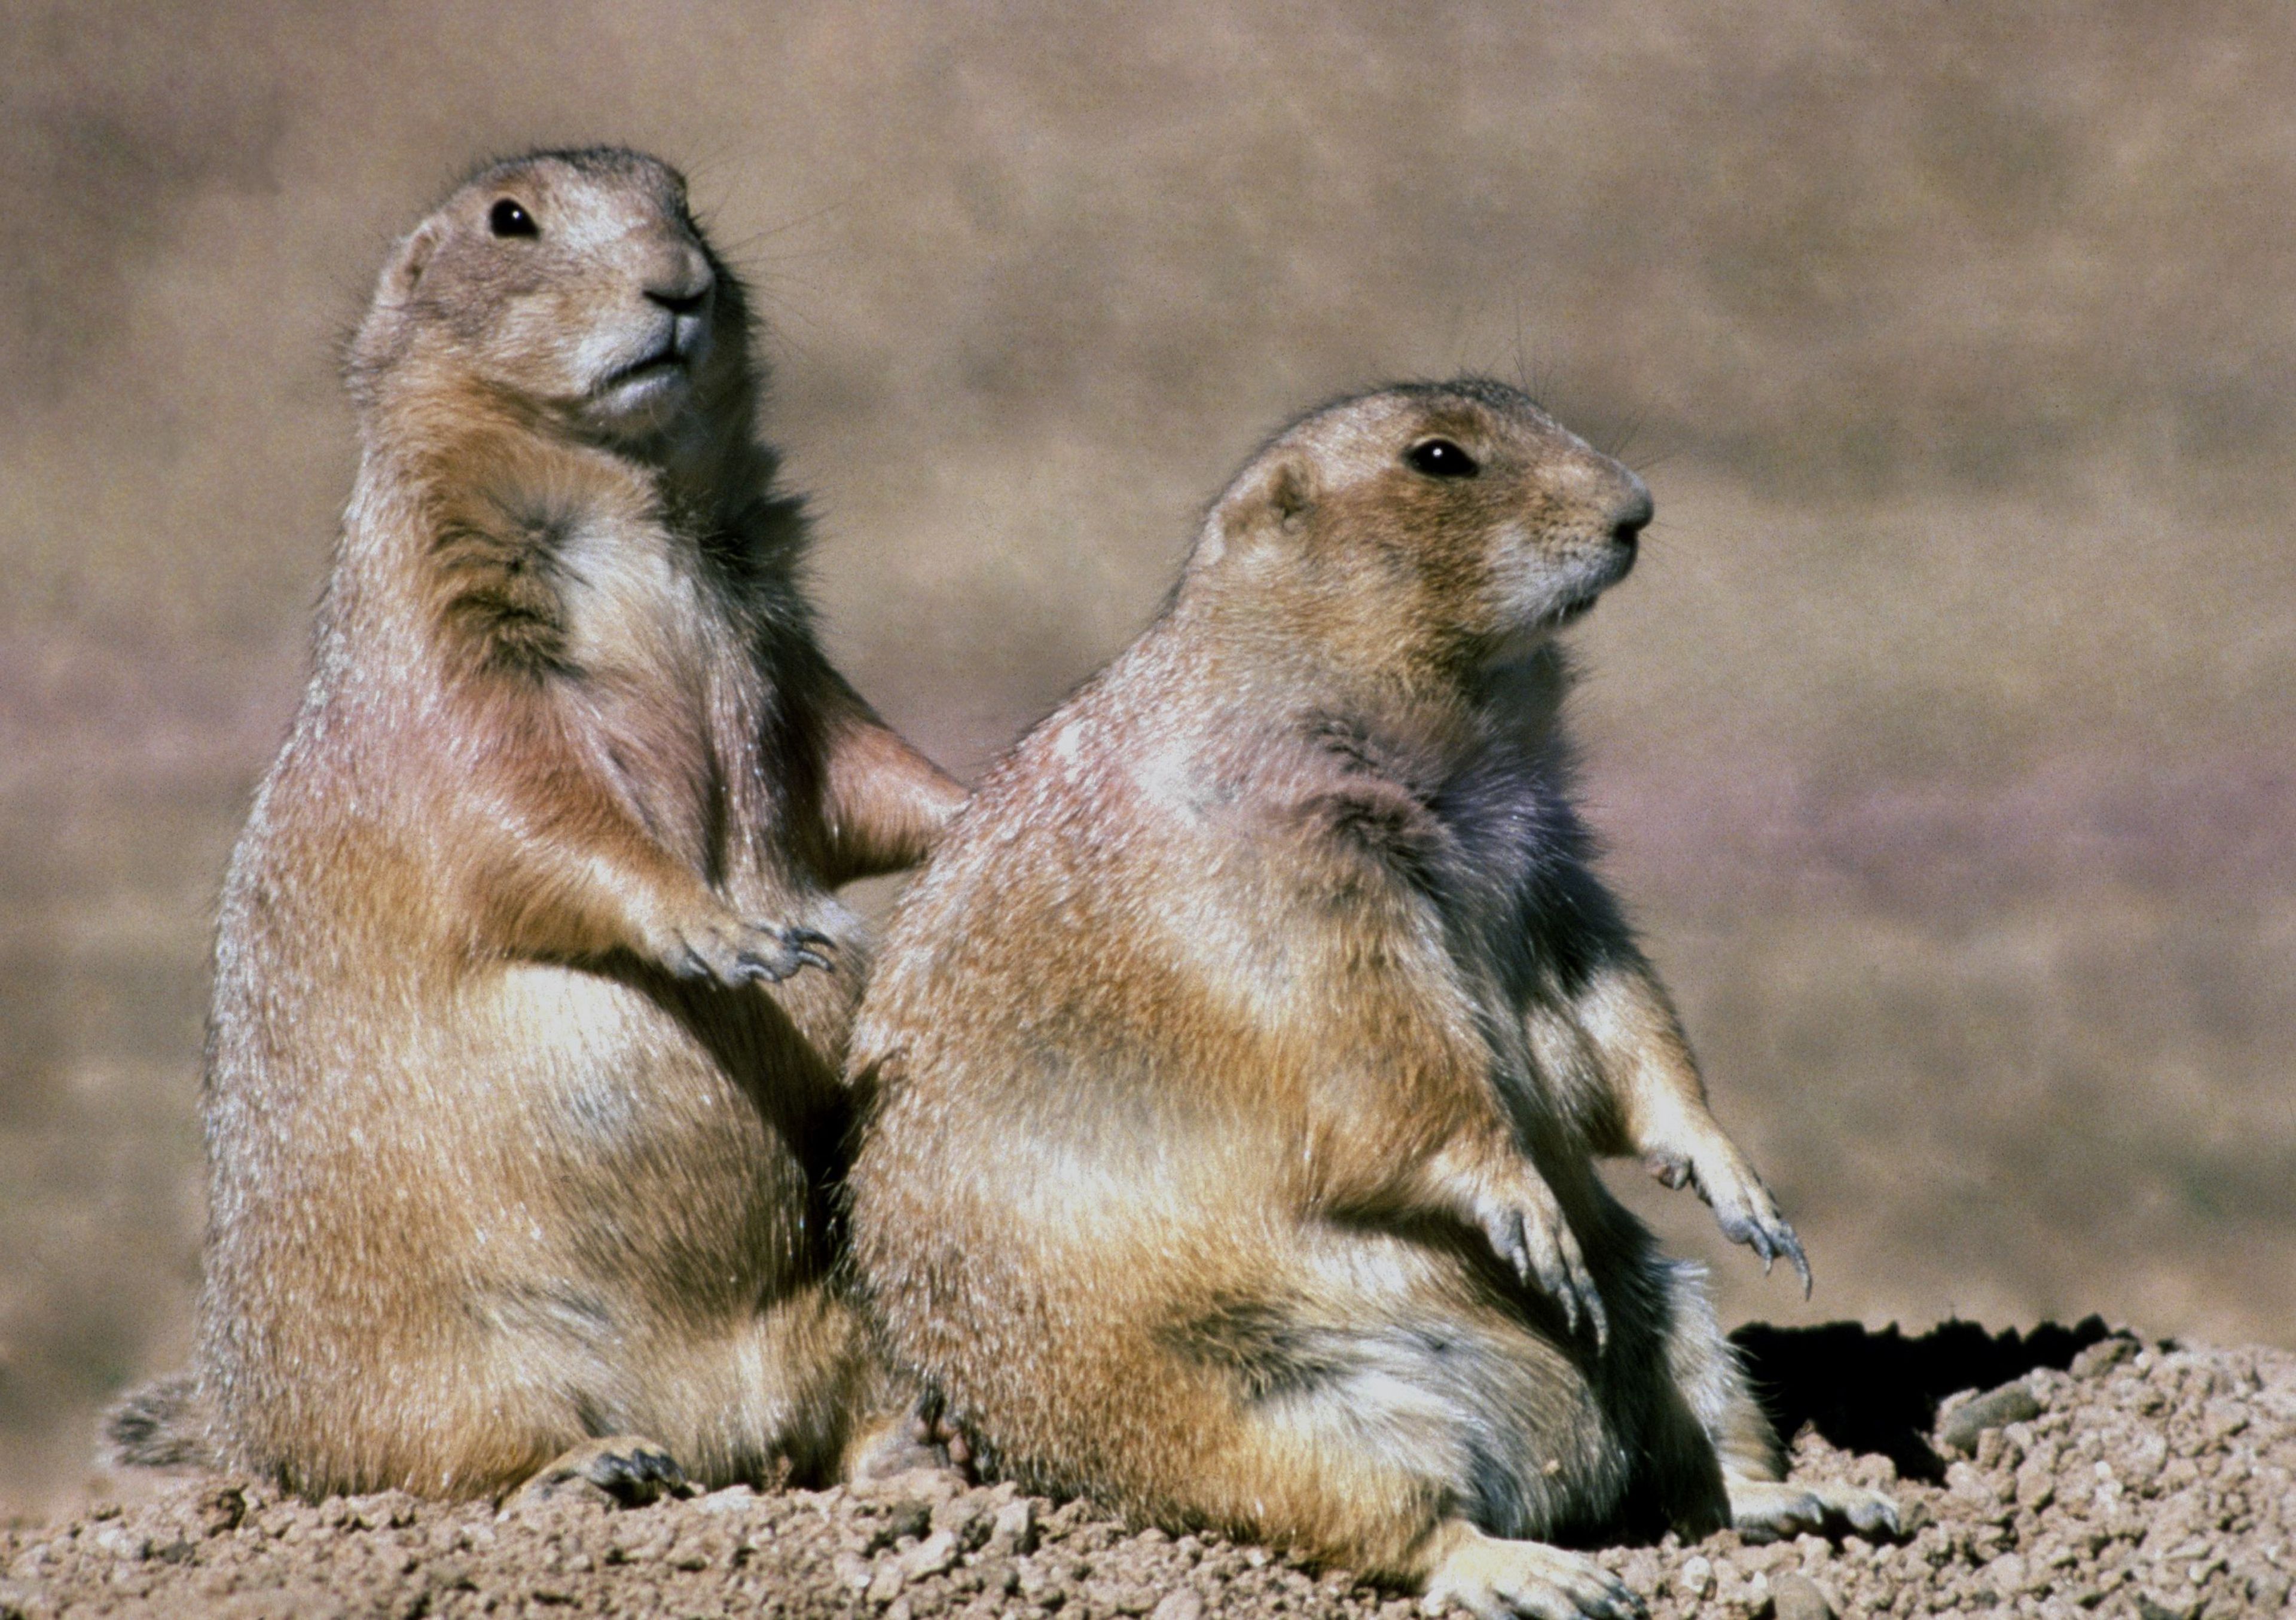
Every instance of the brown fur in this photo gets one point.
(1245, 1052)
(530, 986)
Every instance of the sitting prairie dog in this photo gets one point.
(1243, 1055)
(522, 1088)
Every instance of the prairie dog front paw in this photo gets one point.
(1742, 1205)
(1521, 1218)
(732, 951)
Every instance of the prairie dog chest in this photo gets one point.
(1506, 827)
(633, 606)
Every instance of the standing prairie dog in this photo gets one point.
(522, 1086)
(1243, 1056)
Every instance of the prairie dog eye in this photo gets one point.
(1440, 458)
(507, 218)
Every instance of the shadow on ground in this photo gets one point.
(1866, 1391)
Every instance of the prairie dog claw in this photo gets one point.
(1498, 1580)
(1742, 1205)
(733, 952)
(1773, 1509)
(1525, 1226)
(628, 1469)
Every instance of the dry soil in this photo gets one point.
(2073, 1471)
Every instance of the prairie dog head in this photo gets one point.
(1448, 524)
(575, 284)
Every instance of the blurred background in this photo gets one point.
(1942, 740)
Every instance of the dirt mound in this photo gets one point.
(2096, 1475)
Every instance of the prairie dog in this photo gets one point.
(523, 1081)
(1244, 1054)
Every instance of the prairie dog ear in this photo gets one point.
(1270, 499)
(405, 271)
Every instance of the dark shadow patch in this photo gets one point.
(1391, 829)
(591, 1414)
(1259, 1344)
(1866, 1391)
(1495, 1493)
(500, 592)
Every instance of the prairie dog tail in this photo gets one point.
(163, 1424)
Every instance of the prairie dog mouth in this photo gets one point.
(1516, 642)
(1618, 565)
(1574, 610)
(665, 358)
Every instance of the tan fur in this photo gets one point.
(522, 1086)
(1245, 1052)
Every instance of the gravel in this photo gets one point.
(2098, 1475)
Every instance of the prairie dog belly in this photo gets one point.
(643, 1152)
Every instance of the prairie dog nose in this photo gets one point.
(1632, 513)
(681, 283)
(678, 303)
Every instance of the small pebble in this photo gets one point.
(2013, 1403)
(1797, 1596)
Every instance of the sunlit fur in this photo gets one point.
(1259, 985)
(507, 1148)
